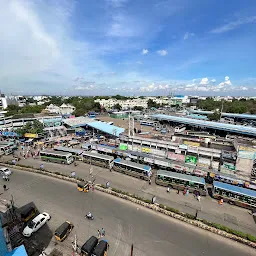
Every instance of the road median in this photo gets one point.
(221, 230)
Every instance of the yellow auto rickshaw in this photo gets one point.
(83, 187)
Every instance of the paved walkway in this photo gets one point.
(209, 209)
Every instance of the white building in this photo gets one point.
(64, 109)
(3, 102)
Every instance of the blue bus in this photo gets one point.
(140, 171)
(239, 196)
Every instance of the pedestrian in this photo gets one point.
(99, 233)
(198, 198)
(107, 184)
(178, 191)
(102, 232)
(149, 181)
(168, 189)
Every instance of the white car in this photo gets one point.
(4, 171)
(35, 224)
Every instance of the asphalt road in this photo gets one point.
(125, 223)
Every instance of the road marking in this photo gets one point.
(119, 234)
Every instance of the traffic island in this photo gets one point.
(221, 230)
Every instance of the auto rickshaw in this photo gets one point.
(83, 186)
(89, 246)
(101, 248)
(63, 231)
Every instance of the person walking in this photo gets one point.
(102, 232)
(99, 233)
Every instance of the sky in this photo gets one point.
(128, 47)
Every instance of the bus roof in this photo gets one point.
(56, 153)
(70, 150)
(132, 164)
(105, 157)
(235, 189)
(181, 176)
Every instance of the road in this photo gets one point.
(228, 215)
(125, 223)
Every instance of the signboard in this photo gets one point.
(123, 146)
(200, 172)
(190, 159)
(246, 154)
(229, 166)
(182, 146)
(176, 157)
(158, 152)
(162, 163)
(191, 143)
(9, 134)
(243, 148)
(204, 161)
(177, 151)
(215, 165)
(145, 150)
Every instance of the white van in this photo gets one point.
(4, 171)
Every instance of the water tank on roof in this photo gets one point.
(207, 140)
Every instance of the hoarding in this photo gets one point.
(192, 149)
(243, 148)
(199, 172)
(162, 163)
(123, 146)
(229, 166)
(103, 149)
(145, 150)
(204, 161)
(191, 143)
(190, 159)
(183, 146)
(148, 160)
(246, 154)
(176, 157)
(215, 165)
(158, 152)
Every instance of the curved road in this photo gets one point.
(124, 223)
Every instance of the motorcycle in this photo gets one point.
(89, 217)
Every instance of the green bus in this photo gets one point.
(57, 157)
(181, 181)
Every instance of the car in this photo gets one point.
(36, 224)
(4, 171)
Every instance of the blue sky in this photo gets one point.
(128, 47)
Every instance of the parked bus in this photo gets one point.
(181, 181)
(149, 123)
(77, 153)
(57, 157)
(133, 169)
(98, 159)
(242, 197)
(5, 149)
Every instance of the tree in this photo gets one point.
(12, 110)
(139, 108)
(214, 116)
(35, 127)
(152, 104)
(117, 107)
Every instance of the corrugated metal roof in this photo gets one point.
(208, 124)
(107, 128)
(69, 150)
(235, 189)
(106, 157)
(19, 251)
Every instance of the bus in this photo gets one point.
(181, 181)
(239, 196)
(57, 157)
(98, 159)
(77, 153)
(133, 169)
(149, 123)
(6, 149)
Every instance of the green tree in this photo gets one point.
(12, 110)
(139, 108)
(117, 107)
(152, 104)
(214, 116)
(35, 127)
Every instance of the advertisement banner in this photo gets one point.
(145, 150)
(215, 165)
(200, 173)
(192, 149)
(182, 146)
(243, 148)
(188, 170)
(191, 143)
(123, 146)
(177, 167)
(246, 154)
(229, 166)
(148, 160)
(204, 161)
(190, 159)
(30, 135)
(103, 149)
(176, 157)
(161, 163)
(158, 152)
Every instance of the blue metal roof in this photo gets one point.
(107, 128)
(235, 189)
(129, 163)
(198, 116)
(19, 251)
(246, 116)
(213, 125)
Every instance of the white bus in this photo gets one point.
(57, 157)
(6, 149)
(133, 169)
(98, 159)
(77, 153)
(180, 128)
(181, 181)
(149, 123)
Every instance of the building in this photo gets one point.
(16, 100)
(64, 109)
(3, 102)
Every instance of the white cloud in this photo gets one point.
(162, 52)
(213, 80)
(204, 81)
(144, 51)
(226, 78)
(139, 62)
(234, 24)
(190, 85)
(116, 3)
(187, 35)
